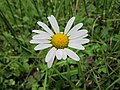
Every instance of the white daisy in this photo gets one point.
(60, 41)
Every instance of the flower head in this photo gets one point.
(59, 42)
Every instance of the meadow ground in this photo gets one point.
(22, 68)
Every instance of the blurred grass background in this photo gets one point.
(21, 68)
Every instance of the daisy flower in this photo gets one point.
(59, 42)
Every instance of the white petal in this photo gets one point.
(64, 54)
(54, 23)
(78, 34)
(45, 27)
(79, 41)
(84, 41)
(78, 38)
(72, 54)
(50, 57)
(51, 61)
(69, 24)
(42, 46)
(59, 54)
(76, 46)
(41, 32)
(74, 29)
(82, 36)
(38, 31)
(37, 41)
(50, 54)
(41, 36)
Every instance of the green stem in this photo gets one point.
(113, 84)
(81, 74)
(11, 11)
(85, 7)
(45, 82)
(34, 2)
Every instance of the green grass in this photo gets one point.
(21, 68)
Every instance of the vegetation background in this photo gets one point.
(21, 68)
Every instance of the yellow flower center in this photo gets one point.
(60, 40)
